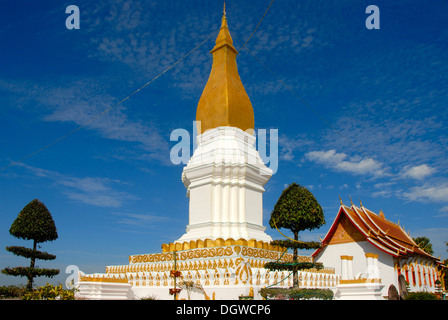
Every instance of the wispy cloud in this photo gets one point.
(443, 212)
(427, 192)
(136, 219)
(289, 145)
(81, 102)
(137, 222)
(417, 172)
(95, 191)
(337, 161)
(384, 189)
(125, 32)
(398, 141)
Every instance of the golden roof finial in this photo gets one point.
(340, 200)
(351, 200)
(360, 202)
(382, 214)
(224, 34)
(224, 101)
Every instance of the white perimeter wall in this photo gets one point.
(331, 257)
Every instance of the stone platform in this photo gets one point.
(225, 269)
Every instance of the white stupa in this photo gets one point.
(225, 245)
(225, 176)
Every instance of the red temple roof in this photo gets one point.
(374, 228)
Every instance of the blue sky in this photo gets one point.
(364, 114)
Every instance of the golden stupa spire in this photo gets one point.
(224, 101)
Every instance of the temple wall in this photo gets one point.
(419, 272)
(384, 268)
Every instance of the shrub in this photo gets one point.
(295, 293)
(8, 292)
(421, 295)
(49, 292)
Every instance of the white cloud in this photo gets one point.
(136, 36)
(337, 161)
(287, 146)
(81, 103)
(443, 212)
(138, 219)
(382, 193)
(384, 189)
(438, 193)
(87, 184)
(95, 199)
(417, 172)
(397, 141)
(95, 191)
(382, 185)
(344, 186)
(84, 102)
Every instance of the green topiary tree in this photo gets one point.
(297, 210)
(35, 223)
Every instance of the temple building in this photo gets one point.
(372, 254)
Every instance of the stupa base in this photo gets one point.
(224, 269)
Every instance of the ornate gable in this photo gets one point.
(345, 232)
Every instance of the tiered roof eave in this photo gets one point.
(385, 235)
